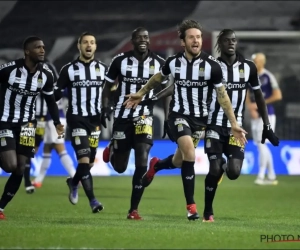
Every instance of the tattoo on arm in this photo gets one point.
(261, 106)
(153, 82)
(225, 103)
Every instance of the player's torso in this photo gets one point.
(266, 88)
(134, 74)
(192, 87)
(19, 92)
(236, 79)
(85, 88)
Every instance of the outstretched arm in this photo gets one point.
(261, 106)
(153, 83)
(225, 103)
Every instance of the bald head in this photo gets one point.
(259, 60)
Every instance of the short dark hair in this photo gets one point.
(85, 34)
(222, 33)
(187, 24)
(29, 40)
(137, 30)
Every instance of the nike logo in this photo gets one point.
(189, 177)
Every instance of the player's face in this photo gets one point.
(141, 41)
(192, 41)
(87, 47)
(228, 44)
(36, 51)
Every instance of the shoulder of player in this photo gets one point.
(11, 65)
(210, 59)
(120, 56)
(46, 69)
(268, 73)
(157, 57)
(175, 56)
(249, 62)
(101, 63)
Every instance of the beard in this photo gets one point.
(85, 57)
(191, 52)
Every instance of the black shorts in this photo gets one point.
(40, 130)
(180, 125)
(20, 138)
(128, 132)
(219, 140)
(85, 134)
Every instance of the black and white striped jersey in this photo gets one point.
(132, 75)
(84, 83)
(41, 108)
(19, 89)
(194, 81)
(237, 77)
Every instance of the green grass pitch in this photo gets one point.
(243, 212)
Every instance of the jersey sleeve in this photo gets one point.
(113, 69)
(4, 71)
(253, 77)
(165, 69)
(273, 81)
(63, 77)
(216, 75)
(162, 63)
(53, 69)
(49, 85)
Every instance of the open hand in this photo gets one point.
(133, 100)
(60, 131)
(239, 134)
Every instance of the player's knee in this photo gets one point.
(234, 168)
(120, 169)
(215, 167)
(83, 153)
(141, 154)
(186, 147)
(19, 170)
(9, 167)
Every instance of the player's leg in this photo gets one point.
(14, 151)
(46, 162)
(80, 144)
(181, 132)
(213, 146)
(39, 135)
(9, 165)
(122, 143)
(59, 146)
(142, 133)
(270, 165)
(170, 162)
(87, 180)
(234, 152)
(257, 127)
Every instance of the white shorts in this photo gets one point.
(257, 127)
(51, 135)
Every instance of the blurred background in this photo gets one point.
(262, 26)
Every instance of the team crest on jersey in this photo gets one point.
(242, 75)
(40, 82)
(97, 71)
(201, 72)
(151, 70)
(129, 68)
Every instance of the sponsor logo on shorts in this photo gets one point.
(79, 132)
(212, 134)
